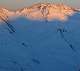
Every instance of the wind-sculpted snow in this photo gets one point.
(33, 45)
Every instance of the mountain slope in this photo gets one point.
(34, 45)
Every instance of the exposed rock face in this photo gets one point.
(41, 11)
(48, 11)
(6, 14)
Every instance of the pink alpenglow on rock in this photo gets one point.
(48, 11)
(41, 11)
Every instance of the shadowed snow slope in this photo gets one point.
(33, 45)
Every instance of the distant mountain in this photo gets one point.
(41, 11)
(48, 11)
(5, 14)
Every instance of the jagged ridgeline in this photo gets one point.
(40, 11)
(42, 37)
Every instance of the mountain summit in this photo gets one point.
(42, 11)
(48, 11)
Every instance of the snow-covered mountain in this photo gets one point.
(39, 39)
(48, 11)
(5, 14)
(40, 11)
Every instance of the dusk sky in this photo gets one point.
(15, 4)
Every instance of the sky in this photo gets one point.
(17, 4)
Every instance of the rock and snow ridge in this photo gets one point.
(41, 11)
